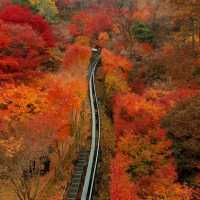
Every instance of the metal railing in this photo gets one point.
(95, 144)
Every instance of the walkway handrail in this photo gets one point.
(95, 144)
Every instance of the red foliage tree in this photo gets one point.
(4, 3)
(168, 99)
(90, 24)
(22, 15)
(133, 114)
(22, 50)
(113, 64)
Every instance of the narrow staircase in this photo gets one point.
(79, 171)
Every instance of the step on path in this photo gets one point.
(79, 170)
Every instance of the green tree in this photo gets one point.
(142, 32)
(21, 2)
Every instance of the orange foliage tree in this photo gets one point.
(121, 187)
(67, 97)
(22, 110)
(146, 146)
(20, 102)
(115, 69)
(134, 114)
(77, 57)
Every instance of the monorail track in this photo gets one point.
(82, 183)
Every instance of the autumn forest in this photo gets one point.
(148, 90)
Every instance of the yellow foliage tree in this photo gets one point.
(46, 8)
